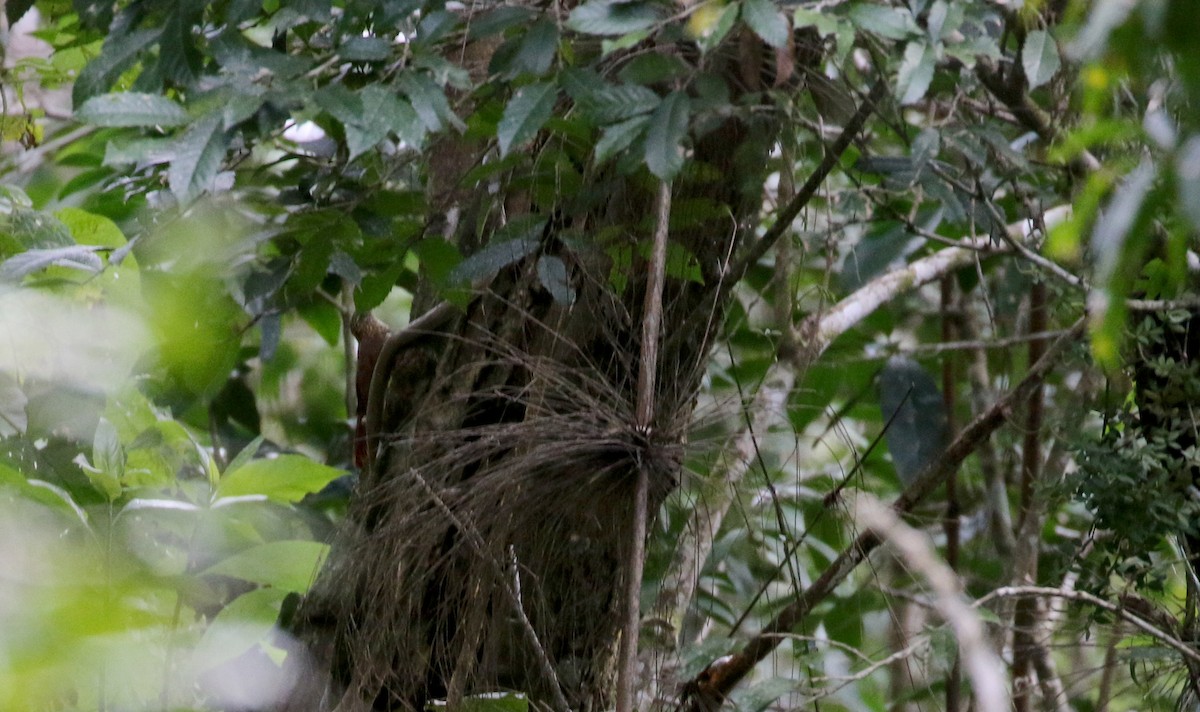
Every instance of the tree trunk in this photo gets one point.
(487, 547)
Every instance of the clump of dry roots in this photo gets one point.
(492, 552)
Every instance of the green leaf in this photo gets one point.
(619, 137)
(916, 72)
(525, 114)
(365, 49)
(245, 622)
(767, 21)
(497, 255)
(132, 109)
(1039, 58)
(118, 54)
(714, 32)
(91, 229)
(892, 23)
(286, 478)
(142, 151)
(430, 102)
(498, 20)
(664, 139)
(612, 17)
(910, 399)
(552, 273)
(285, 565)
(616, 103)
(382, 112)
(198, 156)
(537, 49)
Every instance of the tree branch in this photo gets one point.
(647, 372)
(708, 689)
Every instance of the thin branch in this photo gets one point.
(991, 693)
(1077, 596)
(648, 368)
(710, 687)
(784, 218)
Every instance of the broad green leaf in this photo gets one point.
(616, 103)
(143, 151)
(243, 623)
(767, 21)
(536, 51)
(711, 23)
(498, 20)
(493, 258)
(285, 565)
(909, 398)
(365, 49)
(132, 109)
(525, 114)
(552, 273)
(612, 17)
(286, 478)
(382, 112)
(198, 157)
(1039, 58)
(90, 228)
(429, 101)
(24, 228)
(618, 137)
(889, 22)
(664, 138)
(916, 72)
(117, 55)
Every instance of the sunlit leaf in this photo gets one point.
(285, 565)
(285, 478)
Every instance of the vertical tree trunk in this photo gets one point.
(486, 548)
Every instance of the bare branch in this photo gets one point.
(710, 688)
(1162, 636)
(991, 691)
(648, 368)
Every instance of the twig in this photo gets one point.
(1084, 597)
(784, 218)
(991, 693)
(647, 372)
(708, 689)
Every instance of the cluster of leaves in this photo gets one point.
(142, 569)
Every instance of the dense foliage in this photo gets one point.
(902, 234)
